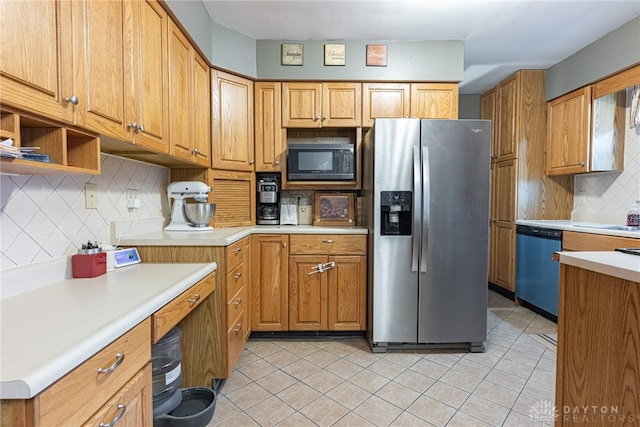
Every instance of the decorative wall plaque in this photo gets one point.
(376, 55)
(334, 54)
(292, 53)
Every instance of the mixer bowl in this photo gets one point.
(199, 214)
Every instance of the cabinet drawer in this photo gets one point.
(171, 314)
(136, 398)
(58, 404)
(235, 341)
(235, 306)
(234, 254)
(327, 244)
(235, 281)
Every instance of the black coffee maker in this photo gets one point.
(268, 206)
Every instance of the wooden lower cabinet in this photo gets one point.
(333, 299)
(598, 363)
(82, 396)
(269, 282)
(214, 332)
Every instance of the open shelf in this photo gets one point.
(70, 150)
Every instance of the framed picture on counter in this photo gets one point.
(334, 209)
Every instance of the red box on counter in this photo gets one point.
(89, 265)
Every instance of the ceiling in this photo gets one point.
(499, 37)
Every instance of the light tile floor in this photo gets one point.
(339, 382)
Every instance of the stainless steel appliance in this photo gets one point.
(314, 161)
(268, 206)
(180, 220)
(537, 275)
(426, 205)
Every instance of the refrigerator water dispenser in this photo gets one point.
(395, 213)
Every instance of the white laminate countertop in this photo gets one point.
(48, 331)
(581, 227)
(227, 236)
(615, 264)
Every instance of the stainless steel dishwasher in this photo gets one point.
(537, 275)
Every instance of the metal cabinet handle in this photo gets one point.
(236, 250)
(284, 244)
(316, 118)
(195, 299)
(121, 410)
(277, 162)
(118, 362)
(238, 328)
(133, 126)
(251, 162)
(581, 164)
(237, 276)
(325, 117)
(141, 128)
(237, 302)
(72, 99)
(328, 241)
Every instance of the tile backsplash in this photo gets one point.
(44, 216)
(609, 195)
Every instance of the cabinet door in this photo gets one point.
(301, 105)
(270, 136)
(232, 122)
(36, 68)
(508, 101)
(341, 104)
(101, 47)
(149, 99)
(347, 301)
(503, 244)
(133, 403)
(307, 293)
(201, 112)
(384, 100)
(568, 129)
(489, 111)
(180, 93)
(234, 194)
(434, 100)
(269, 283)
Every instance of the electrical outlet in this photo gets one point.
(131, 195)
(90, 195)
(582, 198)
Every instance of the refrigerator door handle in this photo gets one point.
(426, 197)
(417, 194)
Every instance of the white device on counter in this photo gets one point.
(289, 214)
(184, 190)
(124, 257)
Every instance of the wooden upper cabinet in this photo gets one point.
(434, 100)
(316, 105)
(121, 70)
(270, 136)
(36, 68)
(232, 131)
(568, 129)
(508, 95)
(489, 111)
(384, 100)
(189, 122)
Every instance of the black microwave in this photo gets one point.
(320, 162)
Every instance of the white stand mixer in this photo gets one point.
(179, 191)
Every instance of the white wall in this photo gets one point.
(44, 216)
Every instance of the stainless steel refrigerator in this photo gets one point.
(426, 205)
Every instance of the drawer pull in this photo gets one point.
(237, 302)
(328, 241)
(121, 410)
(236, 250)
(238, 328)
(195, 299)
(119, 360)
(237, 276)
